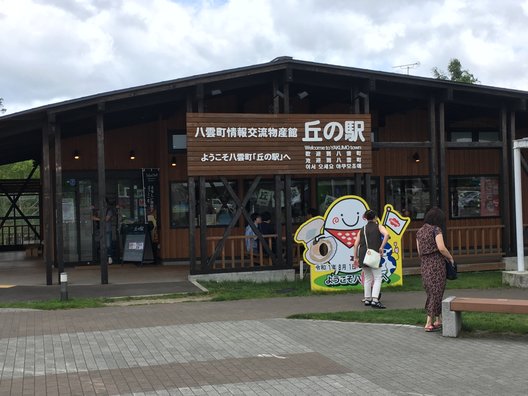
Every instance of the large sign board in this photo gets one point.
(263, 144)
(328, 243)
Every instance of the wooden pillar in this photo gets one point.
(368, 186)
(433, 164)
(192, 225)
(47, 205)
(443, 193)
(288, 221)
(59, 240)
(286, 98)
(203, 224)
(276, 98)
(505, 183)
(101, 187)
(277, 221)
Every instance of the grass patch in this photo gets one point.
(225, 291)
(50, 305)
(471, 321)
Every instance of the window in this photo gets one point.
(474, 196)
(263, 199)
(179, 204)
(219, 206)
(468, 136)
(410, 196)
(328, 190)
(177, 140)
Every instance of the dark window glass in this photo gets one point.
(488, 136)
(328, 190)
(177, 140)
(263, 199)
(461, 136)
(474, 196)
(179, 204)
(409, 196)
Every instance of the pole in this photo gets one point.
(518, 206)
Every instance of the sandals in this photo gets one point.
(437, 325)
(377, 304)
(431, 328)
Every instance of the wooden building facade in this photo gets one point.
(433, 143)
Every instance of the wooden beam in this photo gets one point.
(444, 199)
(59, 239)
(101, 188)
(473, 145)
(202, 199)
(192, 225)
(401, 145)
(288, 222)
(433, 164)
(47, 205)
(505, 184)
(277, 221)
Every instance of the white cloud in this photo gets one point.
(72, 48)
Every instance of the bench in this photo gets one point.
(452, 308)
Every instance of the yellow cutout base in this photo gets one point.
(6, 286)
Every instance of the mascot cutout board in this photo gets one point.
(329, 245)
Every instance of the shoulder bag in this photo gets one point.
(451, 269)
(372, 258)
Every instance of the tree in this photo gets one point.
(2, 108)
(456, 73)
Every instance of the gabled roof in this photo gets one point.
(281, 69)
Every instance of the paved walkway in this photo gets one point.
(248, 348)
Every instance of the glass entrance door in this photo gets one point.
(77, 221)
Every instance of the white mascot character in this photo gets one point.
(330, 240)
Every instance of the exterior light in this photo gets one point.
(215, 92)
(76, 155)
(132, 155)
(416, 157)
(173, 162)
(302, 95)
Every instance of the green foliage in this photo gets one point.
(2, 108)
(18, 170)
(456, 73)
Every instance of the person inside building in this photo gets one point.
(267, 228)
(252, 245)
(110, 215)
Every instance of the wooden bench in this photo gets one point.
(452, 308)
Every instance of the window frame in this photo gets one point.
(450, 200)
(427, 206)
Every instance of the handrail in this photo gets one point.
(463, 241)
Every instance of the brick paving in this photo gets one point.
(248, 348)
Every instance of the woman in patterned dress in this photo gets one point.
(433, 253)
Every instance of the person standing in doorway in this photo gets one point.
(109, 217)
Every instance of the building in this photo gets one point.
(432, 142)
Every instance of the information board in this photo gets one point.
(138, 244)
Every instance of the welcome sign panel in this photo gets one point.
(260, 144)
(328, 243)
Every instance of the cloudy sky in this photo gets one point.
(54, 50)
